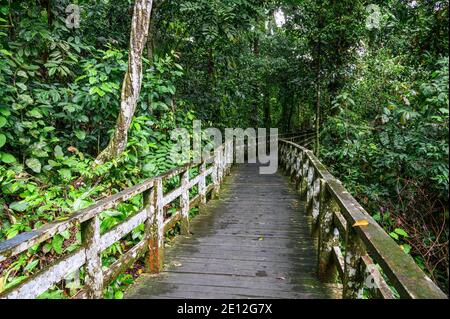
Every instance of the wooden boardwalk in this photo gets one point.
(253, 242)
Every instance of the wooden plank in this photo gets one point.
(170, 197)
(122, 229)
(381, 288)
(170, 222)
(338, 260)
(43, 280)
(124, 262)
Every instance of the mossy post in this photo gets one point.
(216, 174)
(303, 189)
(309, 186)
(328, 238)
(314, 207)
(353, 275)
(154, 228)
(202, 187)
(90, 235)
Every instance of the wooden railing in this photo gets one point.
(362, 258)
(94, 243)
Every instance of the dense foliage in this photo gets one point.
(377, 92)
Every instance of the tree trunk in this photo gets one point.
(131, 86)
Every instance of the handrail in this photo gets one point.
(93, 243)
(348, 252)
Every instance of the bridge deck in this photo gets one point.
(253, 242)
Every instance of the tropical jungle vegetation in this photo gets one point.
(76, 125)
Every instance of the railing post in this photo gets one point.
(354, 250)
(299, 168)
(215, 175)
(229, 160)
(309, 184)
(328, 235)
(154, 228)
(202, 186)
(314, 208)
(90, 234)
(303, 190)
(184, 203)
(221, 163)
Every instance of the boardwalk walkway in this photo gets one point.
(253, 242)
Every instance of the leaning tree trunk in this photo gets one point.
(131, 86)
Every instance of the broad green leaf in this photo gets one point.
(80, 134)
(2, 140)
(118, 295)
(394, 235)
(57, 243)
(22, 74)
(401, 232)
(34, 164)
(7, 158)
(58, 152)
(31, 265)
(21, 86)
(65, 173)
(35, 112)
(19, 206)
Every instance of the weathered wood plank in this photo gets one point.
(122, 229)
(124, 262)
(243, 243)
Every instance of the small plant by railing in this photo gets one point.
(352, 248)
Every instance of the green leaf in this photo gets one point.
(34, 164)
(22, 74)
(35, 112)
(148, 168)
(7, 158)
(394, 235)
(26, 99)
(65, 173)
(57, 243)
(401, 232)
(2, 140)
(406, 248)
(2, 121)
(19, 206)
(21, 86)
(5, 112)
(118, 295)
(66, 234)
(58, 152)
(80, 134)
(31, 265)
